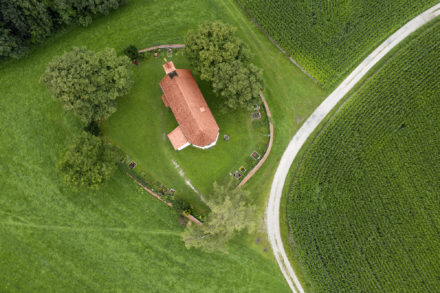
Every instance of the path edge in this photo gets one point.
(273, 205)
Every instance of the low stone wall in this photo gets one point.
(269, 147)
(190, 217)
(174, 46)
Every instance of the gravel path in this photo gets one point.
(273, 205)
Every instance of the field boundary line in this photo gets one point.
(257, 24)
(298, 140)
(269, 147)
(85, 229)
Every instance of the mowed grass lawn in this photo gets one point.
(120, 239)
(141, 125)
(116, 240)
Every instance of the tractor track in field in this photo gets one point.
(86, 229)
(298, 140)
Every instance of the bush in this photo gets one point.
(181, 204)
(88, 162)
(132, 52)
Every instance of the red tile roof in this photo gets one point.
(189, 107)
(177, 138)
(164, 100)
(169, 67)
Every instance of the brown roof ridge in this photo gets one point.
(188, 100)
(190, 108)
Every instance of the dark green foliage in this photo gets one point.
(212, 44)
(27, 22)
(132, 52)
(239, 85)
(23, 22)
(180, 204)
(93, 128)
(83, 11)
(88, 83)
(229, 215)
(88, 162)
(9, 44)
(223, 60)
(329, 38)
(363, 209)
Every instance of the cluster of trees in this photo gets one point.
(222, 59)
(229, 215)
(88, 84)
(27, 22)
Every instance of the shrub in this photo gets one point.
(132, 52)
(88, 162)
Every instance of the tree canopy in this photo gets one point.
(87, 162)
(27, 22)
(132, 52)
(229, 214)
(88, 83)
(239, 85)
(212, 44)
(223, 60)
(22, 22)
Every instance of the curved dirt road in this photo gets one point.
(273, 205)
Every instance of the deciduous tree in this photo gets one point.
(229, 214)
(9, 44)
(238, 84)
(22, 22)
(132, 52)
(27, 22)
(88, 162)
(223, 60)
(88, 83)
(212, 44)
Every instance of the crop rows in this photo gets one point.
(364, 206)
(329, 38)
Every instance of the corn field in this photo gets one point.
(330, 38)
(364, 204)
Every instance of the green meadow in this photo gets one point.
(119, 239)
